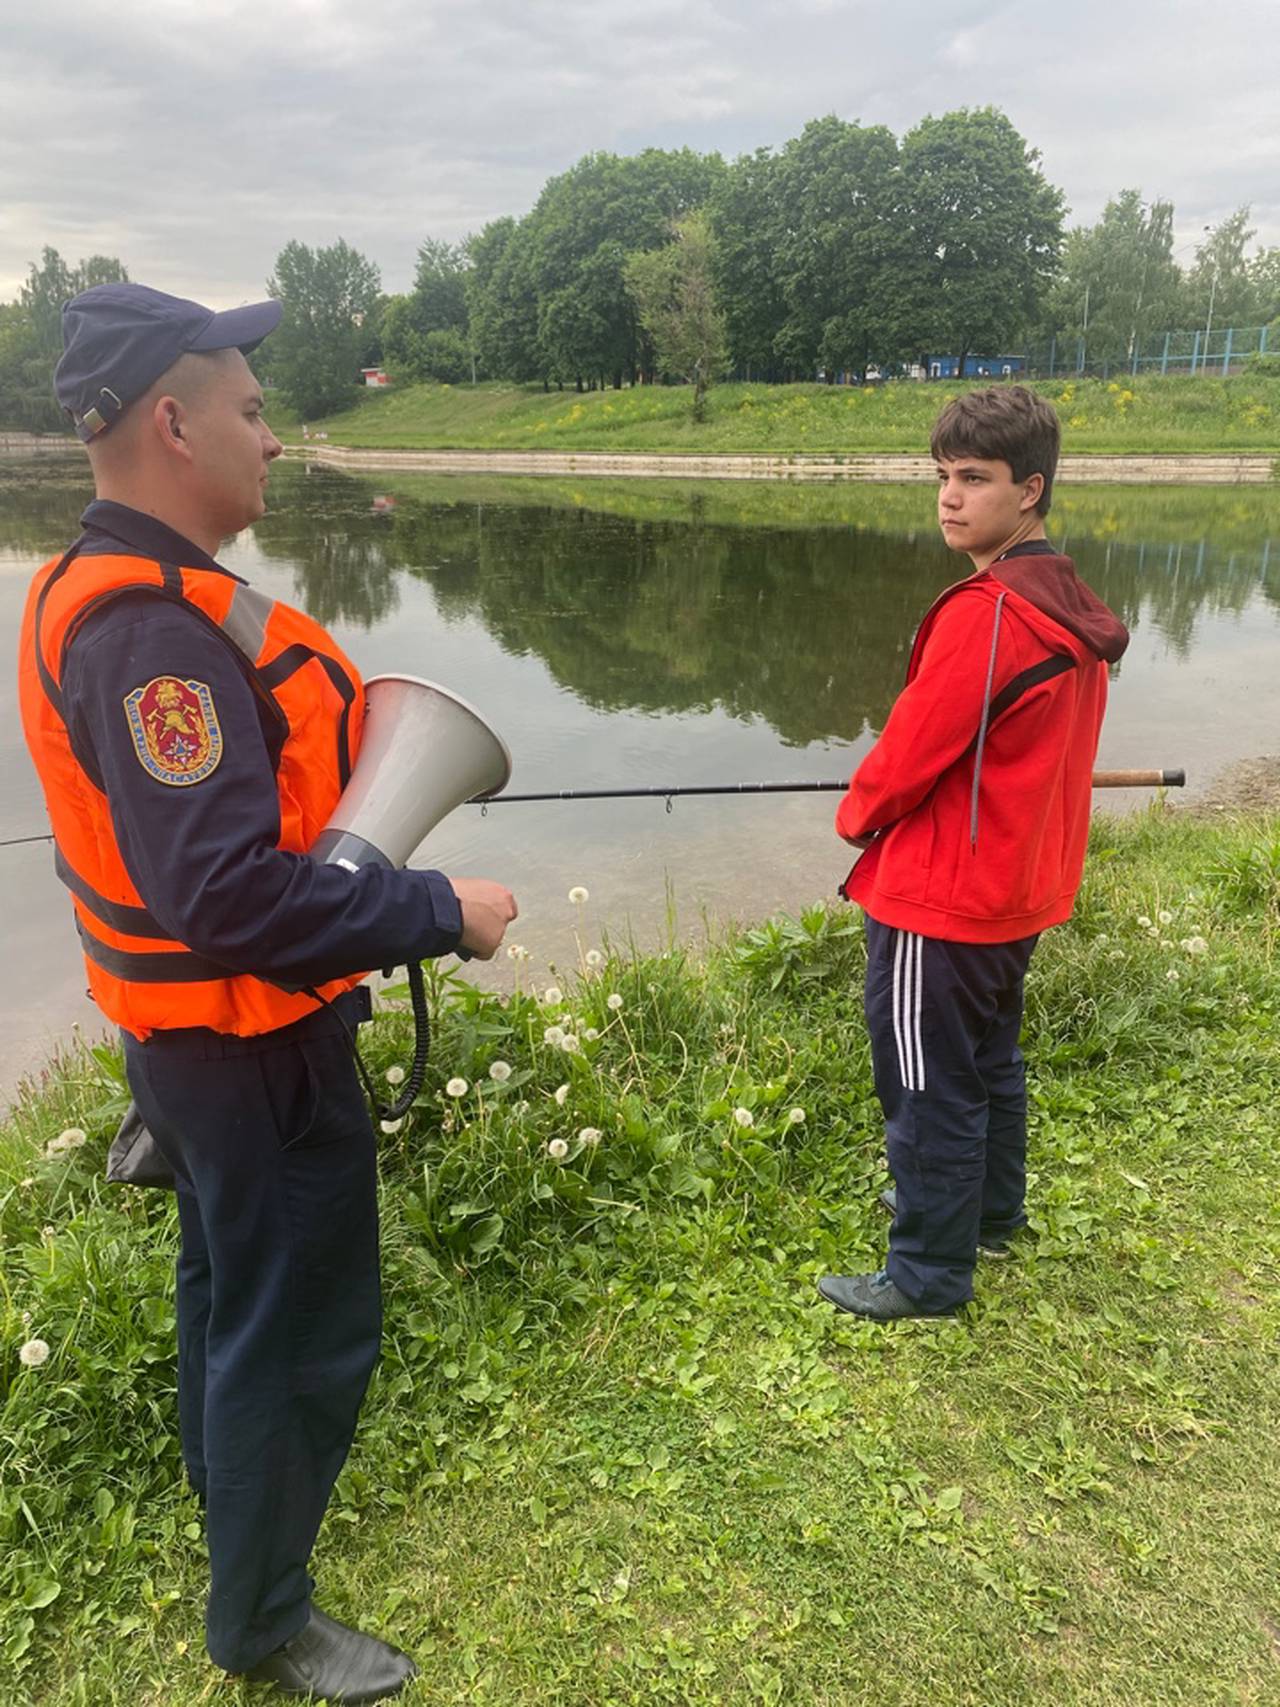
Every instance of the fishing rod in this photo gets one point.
(656, 791)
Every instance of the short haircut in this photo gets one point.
(1005, 423)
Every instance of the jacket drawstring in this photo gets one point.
(982, 727)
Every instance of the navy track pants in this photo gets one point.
(944, 1020)
(279, 1308)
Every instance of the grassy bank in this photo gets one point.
(618, 1452)
(1143, 416)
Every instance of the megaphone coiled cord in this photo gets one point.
(421, 1049)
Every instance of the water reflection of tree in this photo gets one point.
(338, 549)
(806, 628)
(41, 502)
(672, 608)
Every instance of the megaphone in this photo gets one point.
(423, 751)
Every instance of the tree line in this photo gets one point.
(844, 249)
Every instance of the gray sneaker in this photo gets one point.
(989, 1244)
(872, 1295)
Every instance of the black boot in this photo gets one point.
(332, 1662)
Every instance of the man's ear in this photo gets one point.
(1032, 492)
(169, 419)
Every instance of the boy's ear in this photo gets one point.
(1032, 492)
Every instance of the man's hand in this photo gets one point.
(487, 909)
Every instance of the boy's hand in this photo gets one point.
(487, 909)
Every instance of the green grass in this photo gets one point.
(1147, 415)
(618, 1452)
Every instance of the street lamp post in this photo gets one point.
(1208, 324)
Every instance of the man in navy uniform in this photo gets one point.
(192, 736)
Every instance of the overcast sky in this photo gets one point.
(194, 140)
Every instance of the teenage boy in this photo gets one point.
(973, 811)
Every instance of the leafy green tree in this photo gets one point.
(675, 296)
(502, 302)
(331, 299)
(568, 256)
(1223, 276)
(425, 334)
(1264, 270)
(31, 336)
(984, 227)
(748, 223)
(835, 188)
(1119, 283)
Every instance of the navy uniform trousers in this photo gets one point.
(279, 1308)
(944, 1020)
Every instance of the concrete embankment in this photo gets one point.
(1107, 470)
(1189, 470)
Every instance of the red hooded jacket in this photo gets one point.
(978, 791)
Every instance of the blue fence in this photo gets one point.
(1206, 350)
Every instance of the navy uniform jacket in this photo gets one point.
(204, 859)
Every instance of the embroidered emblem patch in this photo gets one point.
(175, 730)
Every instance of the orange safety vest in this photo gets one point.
(140, 977)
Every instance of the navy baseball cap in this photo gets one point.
(117, 339)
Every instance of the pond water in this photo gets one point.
(637, 633)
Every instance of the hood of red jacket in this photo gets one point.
(1050, 583)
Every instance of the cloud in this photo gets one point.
(195, 143)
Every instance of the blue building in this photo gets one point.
(975, 367)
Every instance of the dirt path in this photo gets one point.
(1249, 785)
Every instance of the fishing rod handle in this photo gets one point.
(1140, 779)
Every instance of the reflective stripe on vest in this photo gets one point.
(127, 951)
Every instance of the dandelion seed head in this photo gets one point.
(1173, 974)
(593, 958)
(1102, 939)
(554, 1035)
(1164, 916)
(33, 1353)
(589, 1135)
(796, 1116)
(1116, 954)
(561, 1095)
(578, 894)
(552, 996)
(499, 1071)
(744, 1117)
(614, 1002)
(517, 951)
(558, 1149)
(570, 1044)
(456, 1088)
(395, 1075)
(1195, 945)
(591, 1034)
(1144, 923)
